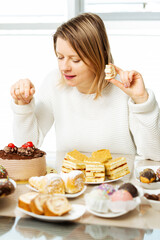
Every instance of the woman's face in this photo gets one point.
(74, 71)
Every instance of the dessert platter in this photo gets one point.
(70, 184)
(148, 176)
(108, 202)
(76, 212)
(100, 167)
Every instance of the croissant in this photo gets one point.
(50, 183)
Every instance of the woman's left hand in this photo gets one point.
(132, 84)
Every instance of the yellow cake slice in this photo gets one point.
(116, 168)
(102, 155)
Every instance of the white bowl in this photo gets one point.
(154, 203)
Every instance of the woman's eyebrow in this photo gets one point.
(72, 55)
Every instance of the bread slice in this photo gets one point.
(25, 199)
(36, 204)
(56, 206)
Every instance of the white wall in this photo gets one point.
(133, 47)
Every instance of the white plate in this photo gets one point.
(105, 181)
(110, 214)
(76, 212)
(154, 185)
(14, 184)
(68, 195)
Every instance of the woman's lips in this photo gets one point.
(69, 77)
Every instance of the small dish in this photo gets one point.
(155, 204)
(76, 212)
(105, 181)
(110, 214)
(68, 195)
(153, 185)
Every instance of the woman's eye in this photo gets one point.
(76, 61)
(59, 57)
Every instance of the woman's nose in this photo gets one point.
(65, 65)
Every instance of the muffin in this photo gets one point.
(130, 188)
(97, 199)
(147, 176)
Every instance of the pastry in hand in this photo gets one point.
(50, 183)
(110, 72)
(147, 176)
(56, 206)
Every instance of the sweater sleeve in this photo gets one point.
(145, 127)
(32, 121)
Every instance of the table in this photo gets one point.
(136, 224)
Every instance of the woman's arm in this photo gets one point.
(33, 120)
(144, 120)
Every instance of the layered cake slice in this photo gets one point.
(23, 162)
(102, 155)
(95, 171)
(116, 168)
(74, 161)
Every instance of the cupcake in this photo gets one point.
(97, 199)
(121, 200)
(147, 176)
(130, 188)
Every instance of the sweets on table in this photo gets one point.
(96, 167)
(95, 171)
(102, 155)
(44, 204)
(23, 162)
(50, 183)
(158, 174)
(130, 188)
(116, 168)
(53, 183)
(74, 181)
(155, 197)
(6, 187)
(98, 198)
(74, 160)
(3, 172)
(147, 176)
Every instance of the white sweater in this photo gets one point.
(112, 121)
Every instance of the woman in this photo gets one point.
(89, 112)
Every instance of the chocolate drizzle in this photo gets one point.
(148, 173)
(15, 153)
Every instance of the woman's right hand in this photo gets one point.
(22, 91)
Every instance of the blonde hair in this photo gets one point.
(87, 35)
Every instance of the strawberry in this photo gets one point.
(24, 146)
(11, 145)
(29, 144)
